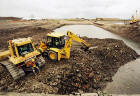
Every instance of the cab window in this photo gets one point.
(25, 49)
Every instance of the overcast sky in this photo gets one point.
(69, 8)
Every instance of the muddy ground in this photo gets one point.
(88, 71)
(84, 72)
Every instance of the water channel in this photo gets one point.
(127, 79)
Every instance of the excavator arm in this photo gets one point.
(72, 36)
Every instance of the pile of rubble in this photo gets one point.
(91, 70)
(88, 71)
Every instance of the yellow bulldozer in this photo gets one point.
(22, 56)
(57, 46)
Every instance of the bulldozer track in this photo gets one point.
(15, 72)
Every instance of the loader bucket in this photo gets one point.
(85, 48)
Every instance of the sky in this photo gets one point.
(69, 8)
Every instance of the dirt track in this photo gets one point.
(83, 72)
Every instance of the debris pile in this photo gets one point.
(92, 70)
(88, 71)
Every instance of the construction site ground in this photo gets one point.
(122, 28)
(84, 72)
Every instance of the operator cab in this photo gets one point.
(25, 49)
(55, 40)
(22, 45)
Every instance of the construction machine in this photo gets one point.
(21, 57)
(134, 19)
(57, 45)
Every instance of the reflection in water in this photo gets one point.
(127, 79)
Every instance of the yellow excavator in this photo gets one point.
(57, 46)
(22, 56)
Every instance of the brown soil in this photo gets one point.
(19, 33)
(88, 71)
(127, 31)
(36, 32)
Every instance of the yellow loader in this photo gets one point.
(22, 56)
(58, 46)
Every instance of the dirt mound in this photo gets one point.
(92, 70)
(83, 72)
(10, 18)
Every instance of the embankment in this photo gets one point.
(127, 31)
